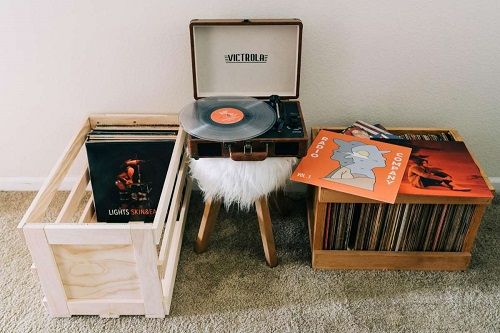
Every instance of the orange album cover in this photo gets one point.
(442, 168)
(354, 165)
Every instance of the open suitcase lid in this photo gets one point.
(256, 58)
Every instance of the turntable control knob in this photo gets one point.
(294, 121)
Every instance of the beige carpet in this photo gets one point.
(229, 288)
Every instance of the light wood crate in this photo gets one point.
(389, 260)
(108, 269)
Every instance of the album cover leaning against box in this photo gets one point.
(127, 177)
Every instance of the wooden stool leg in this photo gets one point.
(207, 225)
(266, 231)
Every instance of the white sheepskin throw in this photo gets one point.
(240, 183)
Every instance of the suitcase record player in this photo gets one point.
(247, 72)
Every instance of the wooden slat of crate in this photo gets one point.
(137, 119)
(470, 237)
(146, 259)
(174, 250)
(168, 185)
(319, 222)
(46, 269)
(92, 233)
(310, 221)
(327, 195)
(75, 197)
(106, 308)
(42, 200)
(88, 211)
(442, 261)
(172, 215)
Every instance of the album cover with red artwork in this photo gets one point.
(354, 165)
(127, 178)
(441, 168)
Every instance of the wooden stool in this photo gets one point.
(266, 230)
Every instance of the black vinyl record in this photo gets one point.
(227, 119)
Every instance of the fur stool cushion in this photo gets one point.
(240, 183)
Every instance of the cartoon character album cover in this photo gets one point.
(442, 168)
(354, 165)
(127, 178)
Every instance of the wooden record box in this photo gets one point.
(418, 258)
(107, 269)
(251, 58)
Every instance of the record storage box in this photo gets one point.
(108, 269)
(319, 198)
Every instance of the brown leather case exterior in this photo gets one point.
(242, 22)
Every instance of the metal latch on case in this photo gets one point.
(247, 149)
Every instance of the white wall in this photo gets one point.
(405, 63)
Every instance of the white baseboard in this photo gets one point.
(34, 184)
(495, 181)
(31, 183)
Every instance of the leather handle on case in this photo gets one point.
(248, 154)
(255, 156)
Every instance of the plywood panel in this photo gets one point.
(98, 271)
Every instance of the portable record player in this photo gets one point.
(246, 76)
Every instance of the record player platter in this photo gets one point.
(227, 119)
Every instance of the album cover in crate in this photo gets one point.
(441, 168)
(354, 165)
(127, 178)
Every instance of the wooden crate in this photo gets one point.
(402, 260)
(108, 269)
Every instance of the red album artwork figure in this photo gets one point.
(129, 182)
(420, 175)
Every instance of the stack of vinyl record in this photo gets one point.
(399, 227)
(127, 168)
(427, 137)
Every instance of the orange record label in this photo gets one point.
(227, 116)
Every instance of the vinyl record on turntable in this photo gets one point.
(227, 119)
